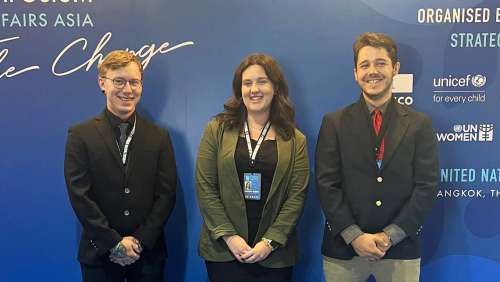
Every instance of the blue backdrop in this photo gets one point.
(48, 81)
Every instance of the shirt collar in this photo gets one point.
(115, 121)
(382, 107)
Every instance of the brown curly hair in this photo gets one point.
(377, 40)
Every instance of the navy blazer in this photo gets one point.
(351, 188)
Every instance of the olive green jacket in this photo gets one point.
(222, 204)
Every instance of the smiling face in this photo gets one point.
(257, 90)
(374, 73)
(122, 102)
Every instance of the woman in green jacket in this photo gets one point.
(252, 175)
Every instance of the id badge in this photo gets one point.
(251, 186)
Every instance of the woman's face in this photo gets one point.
(257, 90)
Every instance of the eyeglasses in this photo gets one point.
(120, 82)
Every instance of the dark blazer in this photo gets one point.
(222, 204)
(352, 190)
(111, 201)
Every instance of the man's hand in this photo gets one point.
(237, 245)
(126, 251)
(366, 246)
(132, 247)
(122, 261)
(383, 241)
(258, 253)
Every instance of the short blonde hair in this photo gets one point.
(118, 59)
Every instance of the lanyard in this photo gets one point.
(252, 153)
(380, 137)
(385, 126)
(127, 143)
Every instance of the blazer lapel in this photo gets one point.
(285, 151)
(358, 125)
(397, 127)
(106, 132)
(137, 142)
(228, 149)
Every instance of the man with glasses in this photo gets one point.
(121, 178)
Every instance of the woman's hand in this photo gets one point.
(258, 253)
(238, 246)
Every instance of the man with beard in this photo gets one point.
(377, 175)
(121, 178)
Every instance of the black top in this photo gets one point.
(265, 164)
(114, 121)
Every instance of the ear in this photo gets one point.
(100, 81)
(395, 71)
(355, 74)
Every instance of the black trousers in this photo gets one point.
(246, 272)
(139, 271)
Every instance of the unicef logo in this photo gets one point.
(457, 128)
(478, 80)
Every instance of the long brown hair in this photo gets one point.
(282, 113)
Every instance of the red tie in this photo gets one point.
(377, 124)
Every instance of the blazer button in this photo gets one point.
(378, 203)
(380, 179)
(126, 213)
(126, 190)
